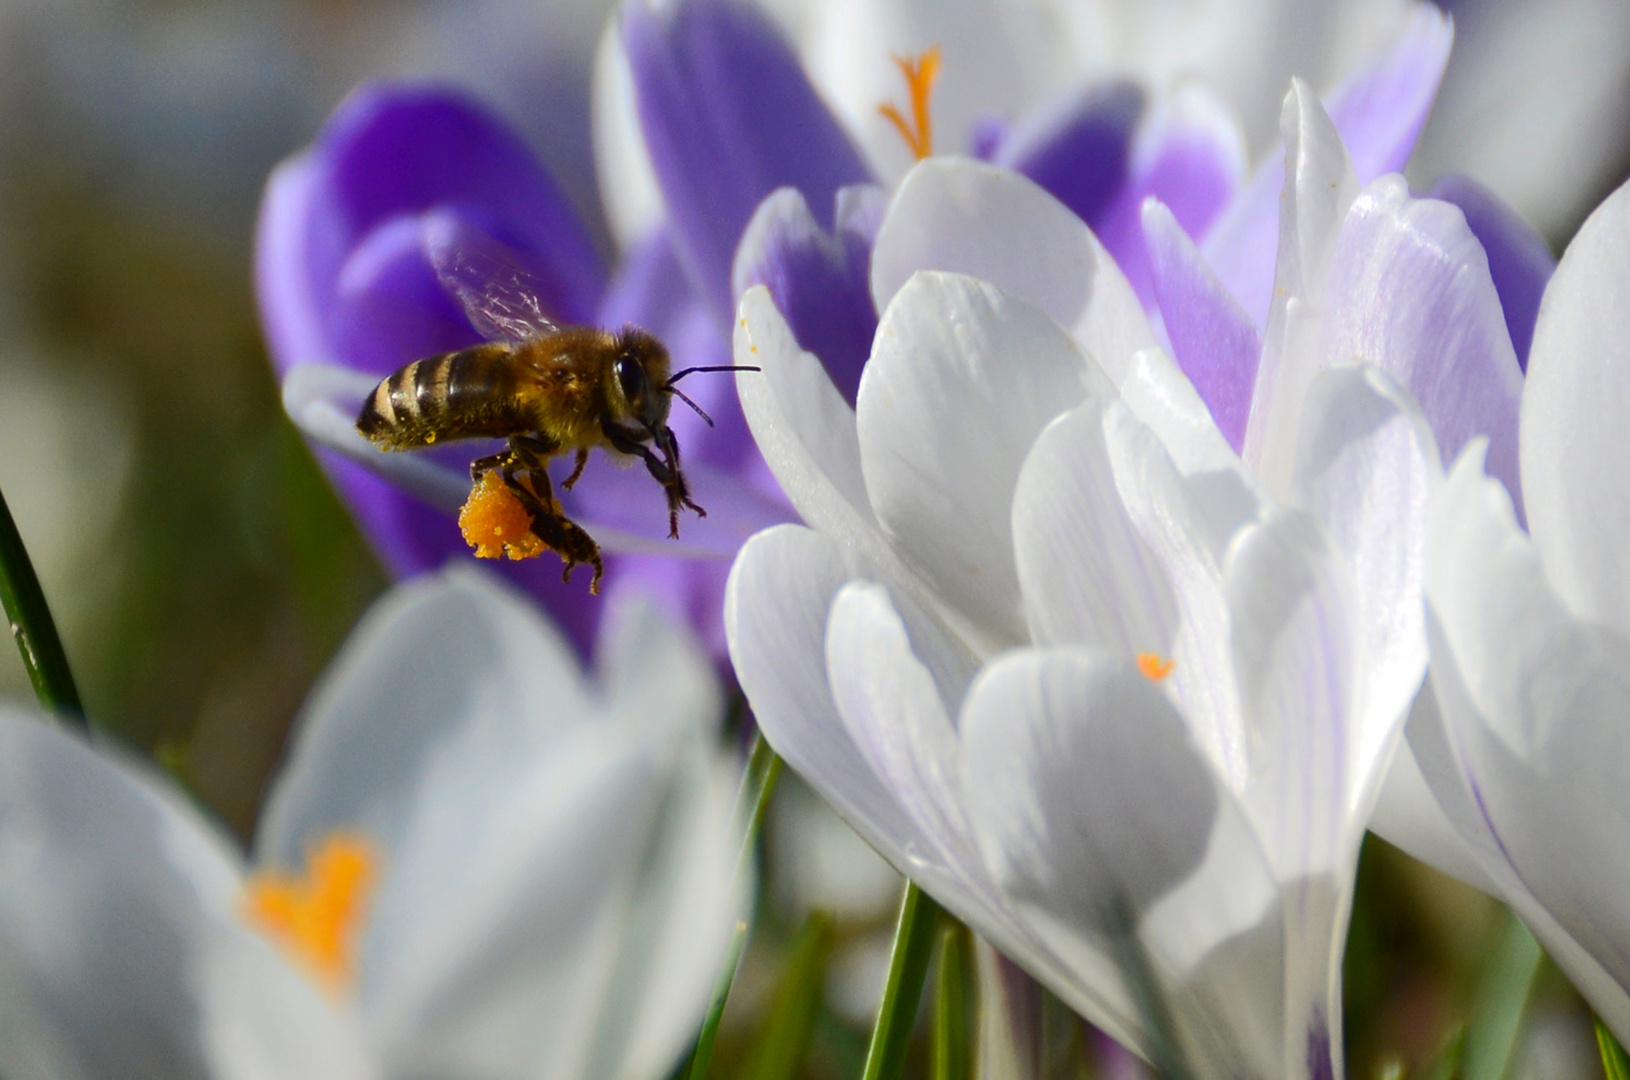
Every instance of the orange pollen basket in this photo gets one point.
(496, 524)
(316, 918)
(920, 74)
(1153, 667)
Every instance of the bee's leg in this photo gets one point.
(577, 470)
(482, 466)
(664, 470)
(526, 475)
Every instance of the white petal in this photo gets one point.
(677, 932)
(776, 606)
(655, 675)
(996, 225)
(893, 711)
(1366, 471)
(1574, 438)
(628, 186)
(1094, 809)
(1534, 713)
(963, 378)
(1407, 812)
(1158, 392)
(1320, 186)
(1458, 792)
(496, 935)
(1088, 576)
(1293, 657)
(437, 657)
(1410, 292)
(122, 947)
(1189, 523)
(802, 425)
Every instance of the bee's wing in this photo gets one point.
(498, 293)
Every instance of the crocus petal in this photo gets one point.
(949, 348)
(1366, 470)
(995, 225)
(1573, 413)
(776, 607)
(1088, 576)
(1212, 338)
(628, 185)
(801, 423)
(728, 117)
(820, 280)
(1378, 112)
(1536, 695)
(1092, 807)
(893, 711)
(1410, 292)
(1294, 664)
(291, 307)
(1190, 155)
(1320, 188)
(1078, 150)
(442, 654)
(121, 939)
(388, 308)
(1188, 522)
(1520, 261)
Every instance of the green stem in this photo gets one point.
(1615, 1063)
(33, 627)
(757, 785)
(952, 1017)
(897, 1013)
(1501, 996)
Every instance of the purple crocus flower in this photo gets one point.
(348, 291)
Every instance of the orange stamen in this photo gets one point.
(317, 918)
(1153, 667)
(496, 524)
(920, 74)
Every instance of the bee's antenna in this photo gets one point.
(675, 390)
(694, 370)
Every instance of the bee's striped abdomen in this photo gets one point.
(460, 395)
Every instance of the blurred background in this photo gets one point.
(203, 573)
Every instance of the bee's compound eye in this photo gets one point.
(631, 377)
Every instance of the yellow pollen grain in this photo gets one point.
(495, 523)
(318, 917)
(1153, 667)
(920, 73)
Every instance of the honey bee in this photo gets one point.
(546, 390)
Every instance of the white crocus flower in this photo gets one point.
(1062, 656)
(515, 872)
(1527, 749)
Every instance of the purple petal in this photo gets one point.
(1191, 156)
(1409, 290)
(1378, 112)
(388, 308)
(820, 280)
(1078, 150)
(1213, 340)
(1520, 261)
(401, 148)
(729, 117)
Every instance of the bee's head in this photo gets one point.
(641, 371)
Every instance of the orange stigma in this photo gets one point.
(1153, 667)
(316, 917)
(920, 74)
